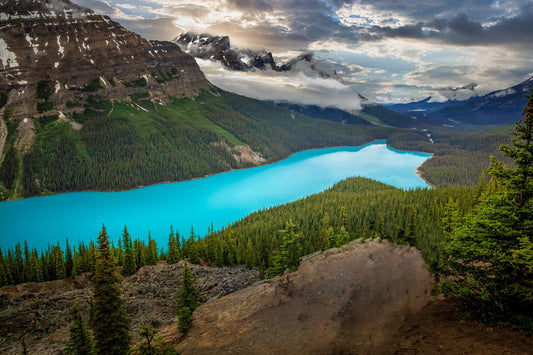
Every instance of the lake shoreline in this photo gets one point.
(216, 201)
(375, 141)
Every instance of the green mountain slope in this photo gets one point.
(136, 141)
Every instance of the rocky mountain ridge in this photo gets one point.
(53, 52)
(218, 48)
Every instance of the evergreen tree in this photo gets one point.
(3, 271)
(56, 267)
(290, 250)
(173, 247)
(323, 239)
(110, 323)
(26, 274)
(80, 341)
(69, 263)
(151, 251)
(18, 264)
(152, 345)
(189, 299)
(129, 267)
(411, 227)
(489, 255)
(34, 268)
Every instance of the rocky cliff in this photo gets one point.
(39, 312)
(54, 54)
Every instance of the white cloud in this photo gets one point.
(274, 86)
(365, 37)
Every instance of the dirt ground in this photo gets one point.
(439, 329)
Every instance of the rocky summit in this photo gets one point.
(54, 54)
(219, 49)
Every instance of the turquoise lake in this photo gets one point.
(219, 199)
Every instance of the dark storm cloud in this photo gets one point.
(461, 29)
(252, 5)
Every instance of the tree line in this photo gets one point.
(108, 328)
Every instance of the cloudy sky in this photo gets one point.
(386, 50)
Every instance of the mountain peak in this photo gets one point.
(65, 48)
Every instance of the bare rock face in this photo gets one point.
(347, 300)
(73, 53)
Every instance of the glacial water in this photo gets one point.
(219, 199)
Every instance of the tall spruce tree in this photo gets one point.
(189, 299)
(489, 256)
(129, 266)
(110, 323)
(80, 341)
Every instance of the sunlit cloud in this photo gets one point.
(386, 50)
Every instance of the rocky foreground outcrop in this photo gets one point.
(339, 301)
(364, 298)
(39, 312)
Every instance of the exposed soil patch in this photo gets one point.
(352, 298)
(439, 328)
(3, 133)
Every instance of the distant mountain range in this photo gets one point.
(218, 48)
(371, 114)
(496, 108)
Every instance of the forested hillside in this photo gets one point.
(137, 141)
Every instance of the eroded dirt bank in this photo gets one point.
(339, 301)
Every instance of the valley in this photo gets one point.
(397, 225)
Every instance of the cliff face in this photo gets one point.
(70, 51)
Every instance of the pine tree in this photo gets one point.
(152, 345)
(129, 267)
(110, 323)
(173, 247)
(68, 260)
(411, 227)
(489, 255)
(57, 269)
(18, 264)
(80, 341)
(26, 274)
(189, 299)
(289, 252)
(323, 239)
(34, 269)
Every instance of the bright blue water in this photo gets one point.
(221, 199)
